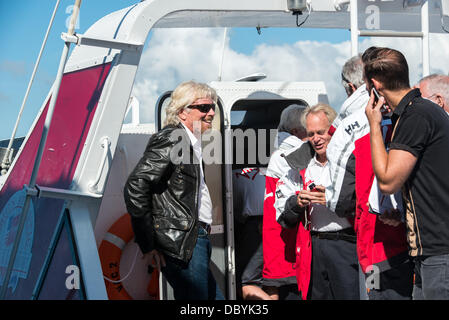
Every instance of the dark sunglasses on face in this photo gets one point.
(204, 108)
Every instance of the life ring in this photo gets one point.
(110, 252)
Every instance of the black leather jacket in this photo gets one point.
(161, 195)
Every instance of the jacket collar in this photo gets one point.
(185, 137)
(300, 158)
(287, 141)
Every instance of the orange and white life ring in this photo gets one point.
(110, 252)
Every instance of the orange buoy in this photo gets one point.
(110, 252)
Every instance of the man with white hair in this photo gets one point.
(435, 87)
(168, 199)
(326, 256)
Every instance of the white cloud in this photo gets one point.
(176, 55)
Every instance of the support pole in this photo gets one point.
(354, 28)
(425, 39)
(40, 150)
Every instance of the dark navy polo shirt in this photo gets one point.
(423, 130)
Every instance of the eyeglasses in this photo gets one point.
(204, 108)
(344, 78)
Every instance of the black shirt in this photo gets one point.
(423, 130)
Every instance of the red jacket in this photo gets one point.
(278, 242)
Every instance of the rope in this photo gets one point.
(129, 272)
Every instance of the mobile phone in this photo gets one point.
(376, 95)
(312, 187)
(383, 109)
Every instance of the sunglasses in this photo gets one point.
(204, 108)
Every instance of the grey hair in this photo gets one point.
(437, 83)
(330, 113)
(352, 72)
(184, 95)
(291, 119)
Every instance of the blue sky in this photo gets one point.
(283, 54)
(25, 22)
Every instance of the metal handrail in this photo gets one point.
(93, 186)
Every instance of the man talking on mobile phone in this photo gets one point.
(416, 162)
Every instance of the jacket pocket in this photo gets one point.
(170, 232)
(186, 170)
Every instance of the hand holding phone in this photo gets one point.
(319, 197)
(383, 109)
(312, 187)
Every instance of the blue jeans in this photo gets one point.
(395, 283)
(431, 278)
(193, 280)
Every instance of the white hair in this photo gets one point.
(437, 83)
(352, 72)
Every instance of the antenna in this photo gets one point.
(220, 70)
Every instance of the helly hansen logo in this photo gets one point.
(351, 127)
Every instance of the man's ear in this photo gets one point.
(376, 84)
(183, 114)
(440, 100)
(352, 86)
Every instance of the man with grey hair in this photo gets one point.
(279, 275)
(352, 81)
(168, 199)
(289, 121)
(435, 87)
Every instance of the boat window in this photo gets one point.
(252, 120)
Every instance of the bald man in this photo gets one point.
(436, 88)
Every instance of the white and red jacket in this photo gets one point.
(352, 104)
(290, 216)
(278, 242)
(352, 175)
